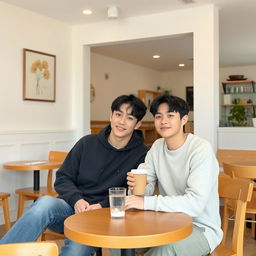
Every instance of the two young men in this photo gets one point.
(96, 163)
(186, 170)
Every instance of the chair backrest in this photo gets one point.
(240, 171)
(239, 190)
(58, 156)
(30, 249)
(233, 155)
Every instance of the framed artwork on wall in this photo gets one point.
(39, 76)
(190, 97)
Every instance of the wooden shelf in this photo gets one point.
(238, 82)
(246, 105)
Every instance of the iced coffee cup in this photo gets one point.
(140, 176)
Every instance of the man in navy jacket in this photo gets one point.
(96, 163)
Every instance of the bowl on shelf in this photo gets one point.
(236, 77)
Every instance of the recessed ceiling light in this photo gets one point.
(181, 65)
(156, 56)
(87, 11)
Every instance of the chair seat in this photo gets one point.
(30, 192)
(32, 248)
(222, 251)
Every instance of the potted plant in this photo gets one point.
(238, 116)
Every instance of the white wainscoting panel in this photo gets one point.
(28, 145)
(237, 138)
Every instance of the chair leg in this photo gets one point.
(20, 206)
(253, 226)
(225, 223)
(6, 214)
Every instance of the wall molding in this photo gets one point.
(28, 145)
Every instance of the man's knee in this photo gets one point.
(44, 204)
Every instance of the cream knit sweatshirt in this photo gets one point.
(188, 182)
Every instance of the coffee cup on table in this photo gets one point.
(140, 176)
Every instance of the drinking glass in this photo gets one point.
(117, 201)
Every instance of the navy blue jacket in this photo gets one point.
(93, 166)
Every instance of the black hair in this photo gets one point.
(175, 104)
(138, 107)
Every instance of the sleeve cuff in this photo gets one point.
(150, 203)
(74, 199)
(104, 203)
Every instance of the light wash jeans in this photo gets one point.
(46, 212)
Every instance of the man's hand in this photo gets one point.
(135, 202)
(130, 180)
(81, 206)
(93, 207)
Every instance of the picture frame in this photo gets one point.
(190, 97)
(39, 76)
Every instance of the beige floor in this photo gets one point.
(249, 242)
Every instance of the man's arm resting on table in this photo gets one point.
(83, 206)
(134, 202)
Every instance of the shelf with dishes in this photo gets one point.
(237, 102)
(239, 86)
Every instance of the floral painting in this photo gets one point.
(39, 76)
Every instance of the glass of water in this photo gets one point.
(117, 201)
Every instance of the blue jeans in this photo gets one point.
(46, 212)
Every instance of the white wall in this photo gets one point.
(23, 29)
(45, 126)
(201, 21)
(123, 78)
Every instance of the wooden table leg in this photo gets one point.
(36, 180)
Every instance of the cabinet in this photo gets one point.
(147, 96)
(238, 93)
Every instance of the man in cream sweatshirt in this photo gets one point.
(186, 170)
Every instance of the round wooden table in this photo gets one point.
(138, 229)
(35, 165)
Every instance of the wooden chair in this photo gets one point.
(26, 194)
(30, 249)
(247, 172)
(5, 204)
(239, 190)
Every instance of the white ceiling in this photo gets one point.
(237, 29)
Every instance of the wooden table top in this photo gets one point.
(137, 229)
(32, 165)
